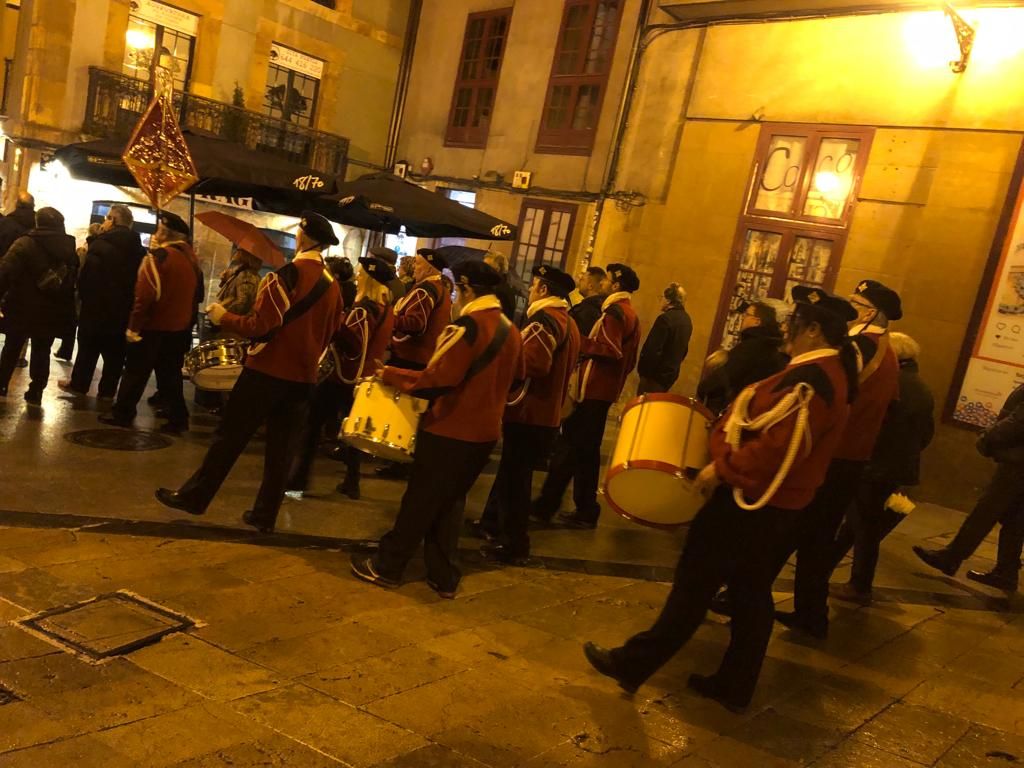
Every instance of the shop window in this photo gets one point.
(291, 95)
(146, 35)
(476, 83)
(579, 76)
(803, 190)
(545, 232)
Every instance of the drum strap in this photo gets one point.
(301, 307)
(492, 349)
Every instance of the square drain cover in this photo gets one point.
(7, 697)
(108, 625)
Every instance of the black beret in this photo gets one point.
(377, 268)
(175, 222)
(318, 228)
(624, 276)
(434, 258)
(476, 273)
(389, 255)
(561, 282)
(882, 297)
(818, 298)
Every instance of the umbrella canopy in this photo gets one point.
(226, 168)
(244, 235)
(384, 202)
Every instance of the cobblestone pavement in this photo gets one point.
(292, 662)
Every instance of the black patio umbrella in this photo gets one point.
(226, 169)
(383, 202)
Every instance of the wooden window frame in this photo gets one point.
(568, 140)
(549, 207)
(158, 43)
(469, 136)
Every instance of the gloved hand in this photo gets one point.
(132, 336)
(215, 312)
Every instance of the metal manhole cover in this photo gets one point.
(7, 697)
(119, 439)
(108, 625)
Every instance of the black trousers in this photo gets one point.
(162, 352)
(327, 401)
(443, 471)
(507, 513)
(39, 364)
(92, 346)
(1001, 502)
(256, 399)
(725, 546)
(867, 523)
(816, 539)
(583, 432)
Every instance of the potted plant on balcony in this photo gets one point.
(236, 121)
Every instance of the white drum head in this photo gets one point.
(653, 497)
(218, 378)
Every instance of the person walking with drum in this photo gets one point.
(298, 310)
(609, 354)
(761, 475)
(551, 346)
(467, 381)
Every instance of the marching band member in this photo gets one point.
(362, 340)
(298, 310)
(421, 314)
(467, 381)
(609, 355)
(551, 345)
(769, 455)
(878, 386)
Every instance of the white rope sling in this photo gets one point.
(739, 421)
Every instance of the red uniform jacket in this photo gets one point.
(293, 354)
(466, 408)
(551, 347)
(752, 467)
(610, 351)
(420, 316)
(362, 339)
(879, 386)
(168, 290)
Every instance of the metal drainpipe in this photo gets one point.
(402, 84)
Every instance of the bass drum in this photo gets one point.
(662, 446)
(383, 421)
(216, 365)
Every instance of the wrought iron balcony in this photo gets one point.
(115, 103)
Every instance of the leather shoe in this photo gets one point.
(794, 621)
(249, 518)
(363, 568)
(494, 550)
(174, 500)
(349, 489)
(995, 578)
(709, 687)
(938, 559)
(394, 471)
(721, 604)
(447, 594)
(576, 522)
(478, 529)
(33, 398)
(64, 385)
(601, 660)
(114, 421)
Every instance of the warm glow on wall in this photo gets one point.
(831, 185)
(930, 39)
(139, 40)
(932, 42)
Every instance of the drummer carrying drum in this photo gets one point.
(297, 312)
(769, 455)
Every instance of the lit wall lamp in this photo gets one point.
(964, 38)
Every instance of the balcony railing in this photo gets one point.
(116, 102)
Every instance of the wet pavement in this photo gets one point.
(286, 660)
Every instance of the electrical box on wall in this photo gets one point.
(521, 179)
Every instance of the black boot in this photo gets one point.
(939, 559)
(995, 578)
(350, 487)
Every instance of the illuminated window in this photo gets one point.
(545, 233)
(143, 38)
(476, 83)
(579, 76)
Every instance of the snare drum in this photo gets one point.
(383, 421)
(216, 365)
(662, 446)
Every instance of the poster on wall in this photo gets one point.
(996, 364)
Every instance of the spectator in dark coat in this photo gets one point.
(588, 311)
(1001, 502)
(907, 430)
(37, 288)
(756, 356)
(506, 293)
(343, 272)
(18, 222)
(667, 343)
(106, 286)
(398, 286)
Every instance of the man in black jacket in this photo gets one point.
(18, 222)
(667, 343)
(106, 287)
(588, 311)
(37, 288)
(1002, 502)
